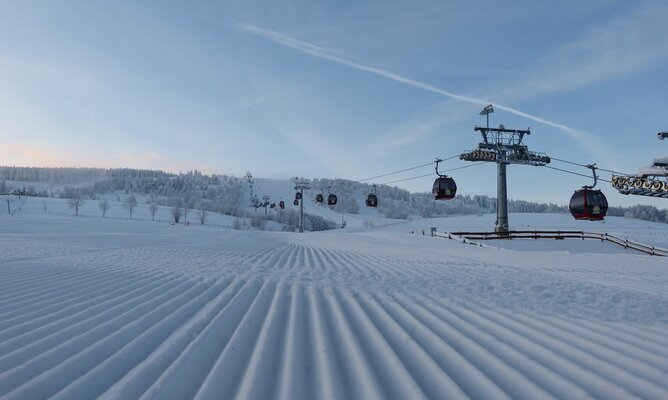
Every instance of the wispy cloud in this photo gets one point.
(316, 51)
(623, 45)
(260, 100)
(24, 154)
(422, 126)
(321, 148)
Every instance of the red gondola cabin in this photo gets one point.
(444, 188)
(588, 204)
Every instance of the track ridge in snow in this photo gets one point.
(207, 314)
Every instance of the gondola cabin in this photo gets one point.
(444, 188)
(281, 204)
(372, 200)
(588, 204)
(298, 196)
(331, 200)
(296, 202)
(319, 198)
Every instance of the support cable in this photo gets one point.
(432, 174)
(575, 173)
(406, 169)
(585, 166)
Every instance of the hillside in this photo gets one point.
(239, 197)
(122, 308)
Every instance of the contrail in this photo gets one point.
(321, 52)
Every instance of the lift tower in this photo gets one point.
(300, 186)
(503, 146)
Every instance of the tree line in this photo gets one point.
(229, 195)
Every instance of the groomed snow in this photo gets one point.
(119, 308)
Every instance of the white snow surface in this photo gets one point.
(119, 308)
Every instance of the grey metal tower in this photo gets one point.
(503, 146)
(300, 186)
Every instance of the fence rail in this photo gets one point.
(471, 237)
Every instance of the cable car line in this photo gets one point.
(408, 179)
(396, 172)
(612, 172)
(575, 173)
(406, 169)
(432, 174)
(585, 166)
(465, 166)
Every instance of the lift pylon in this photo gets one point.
(503, 146)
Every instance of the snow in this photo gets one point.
(120, 308)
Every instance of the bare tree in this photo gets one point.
(153, 208)
(176, 214)
(104, 207)
(75, 202)
(129, 204)
(202, 214)
(185, 212)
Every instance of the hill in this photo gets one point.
(243, 197)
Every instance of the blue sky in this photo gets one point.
(344, 89)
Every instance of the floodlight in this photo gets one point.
(487, 110)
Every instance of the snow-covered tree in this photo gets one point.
(202, 213)
(176, 214)
(153, 208)
(75, 202)
(104, 207)
(129, 204)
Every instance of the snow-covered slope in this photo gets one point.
(123, 308)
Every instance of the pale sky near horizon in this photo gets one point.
(347, 89)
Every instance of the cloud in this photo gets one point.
(316, 51)
(326, 151)
(22, 154)
(422, 126)
(260, 100)
(623, 45)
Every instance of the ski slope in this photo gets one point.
(118, 308)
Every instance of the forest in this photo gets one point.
(230, 195)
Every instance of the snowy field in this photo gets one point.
(119, 308)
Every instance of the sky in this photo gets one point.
(336, 89)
